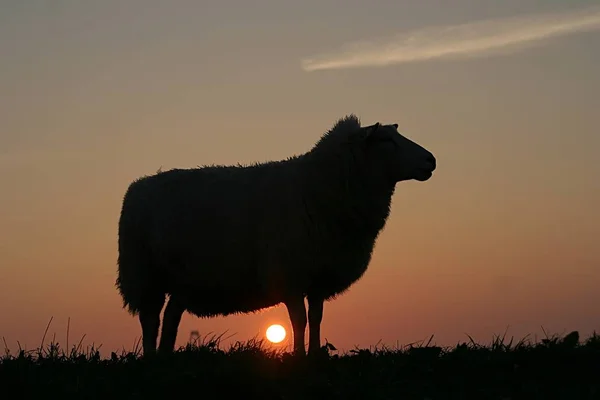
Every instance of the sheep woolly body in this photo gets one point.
(237, 239)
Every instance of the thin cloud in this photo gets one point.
(481, 38)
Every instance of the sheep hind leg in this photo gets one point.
(149, 316)
(171, 319)
(315, 316)
(297, 313)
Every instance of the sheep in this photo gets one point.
(228, 239)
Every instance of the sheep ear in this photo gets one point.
(370, 130)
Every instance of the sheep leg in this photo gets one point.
(149, 316)
(171, 319)
(297, 313)
(315, 316)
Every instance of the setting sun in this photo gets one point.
(275, 333)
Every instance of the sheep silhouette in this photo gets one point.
(221, 240)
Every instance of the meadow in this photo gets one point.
(556, 367)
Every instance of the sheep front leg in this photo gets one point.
(297, 313)
(315, 316)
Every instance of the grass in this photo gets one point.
(553, 368)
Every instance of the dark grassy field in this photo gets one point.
(553, 368)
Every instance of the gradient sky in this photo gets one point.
(96, 94)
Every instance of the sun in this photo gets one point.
(275, 333)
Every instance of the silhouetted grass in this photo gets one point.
(553, 368)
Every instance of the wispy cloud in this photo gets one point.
(480, 38)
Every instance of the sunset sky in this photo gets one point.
(505, 235)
